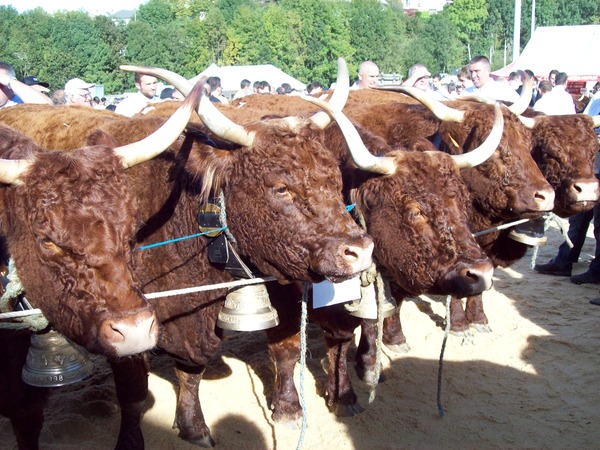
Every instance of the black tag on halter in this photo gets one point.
(208, 220)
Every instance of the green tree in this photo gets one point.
(468, 16)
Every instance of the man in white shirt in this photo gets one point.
(484, 84)
(144, 97)
(558, 101)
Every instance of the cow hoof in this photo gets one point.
(290, 424)
(481, 327)
(368, 376)
(341, 410)
(398, 348)
(204, 442)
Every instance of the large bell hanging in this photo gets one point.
(54, 361)
(248, 308)
(366, 307)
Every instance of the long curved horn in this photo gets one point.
(162, 138)
(596, 121)
(522, 104)
(489, 146)
(12, 169)
(340, 95)
(214, 120)
(361, 156)
(439, 109)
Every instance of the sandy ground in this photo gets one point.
(530, 383)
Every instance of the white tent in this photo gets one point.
(571, 49)
(231, 76)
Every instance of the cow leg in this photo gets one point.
(285, 353)
(459, 322)
(131, 383)
(341, 398)
(22, 403)
(189, 418)
(475, 314)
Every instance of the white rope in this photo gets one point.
(501, 227)
(15, 314)
(209, 287)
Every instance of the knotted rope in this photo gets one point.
(303, 321)
(441, 361)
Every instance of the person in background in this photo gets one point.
(77, 92)
(464, 80)
(264, 87)
(244, 90)
(368, 74)
(171, 94)
(215, 93)
(36, 84)
(146, 86)
(484, 84)
(552, 76)
(14, 92)
(558, 101)
(514, 80)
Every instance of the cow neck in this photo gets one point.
(212, 219)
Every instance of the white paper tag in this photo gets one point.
(327, 293)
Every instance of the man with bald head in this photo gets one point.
(368, 74)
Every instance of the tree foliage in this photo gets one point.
(302, 37)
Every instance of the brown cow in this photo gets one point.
(282, 191)
(70, 220)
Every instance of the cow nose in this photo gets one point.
(135, 333)
(357, 257)
(544, 199)
(585, 191)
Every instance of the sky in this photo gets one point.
(91, 6)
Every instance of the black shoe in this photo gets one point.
(586, 278)
(529, 233)
(595, 301)
(554, 269)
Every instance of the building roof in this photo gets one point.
(570, 49)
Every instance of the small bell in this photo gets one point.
(366, 307)
(54, 361)
(248, 308)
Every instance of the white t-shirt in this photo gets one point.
(557, 102)
(495, 90)
(134, 104)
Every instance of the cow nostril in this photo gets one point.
(350, 254)
(111, 332)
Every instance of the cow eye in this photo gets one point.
(49, 245)
(281, 190)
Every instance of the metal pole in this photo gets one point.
(532, 18)
(517, 31)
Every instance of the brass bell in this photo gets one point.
(248, 308)
(54, 361)
(366, 307)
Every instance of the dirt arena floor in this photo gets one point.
(529, 383)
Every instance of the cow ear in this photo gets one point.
(99, 137)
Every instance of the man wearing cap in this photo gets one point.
(419, 77)
(14, 92)
(138, 102)
(36, 84)
(77, 92)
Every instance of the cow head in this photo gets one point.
(564, 148)
(417, 213)
(282, 191)
(70, 222)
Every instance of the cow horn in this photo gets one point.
(162, 138)
(521, 105)
(596, 121)
(12, 169)
(361, 156)
(529, 122)
(489, 146)
(214, 120)
(339, 97)
(439, 109)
